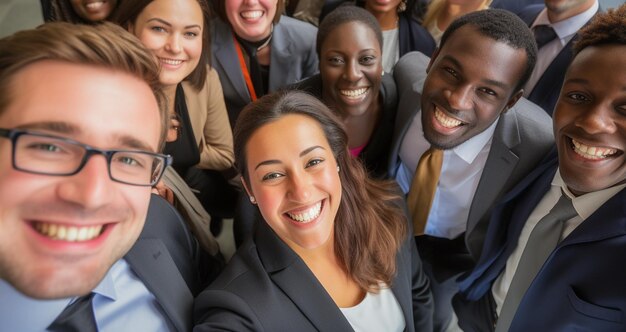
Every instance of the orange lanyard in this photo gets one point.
(244, 69)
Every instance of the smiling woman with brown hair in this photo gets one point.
(333, 244)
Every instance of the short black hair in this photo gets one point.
(604, 28)
(502, 26)
(347, 14)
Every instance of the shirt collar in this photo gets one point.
(569, 27)
(469, 150)
(19, 312)
(106, 287)
(588, 203)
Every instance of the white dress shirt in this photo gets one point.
(460, 173)
(565, 31)
(377, 312)
(585, 205)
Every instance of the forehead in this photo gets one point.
(180, 11)
(100, 102)
(285, 138)
(607, 62)
(495, 60)
(361, 37)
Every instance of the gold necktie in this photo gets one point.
(423, 188)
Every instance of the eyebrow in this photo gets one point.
(65, 128)
(302, 154)
(162, 21)
(484, 80)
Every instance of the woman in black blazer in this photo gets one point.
(333, 241)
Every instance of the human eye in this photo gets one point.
(272, 176)
(131, 160)
(577, 97)
(45, 147)
(191, 34)
(314, 162)
(157, 28)
(368, 60)
(335, 60)
(488, 91)
(450, 71)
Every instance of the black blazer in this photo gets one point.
(267, 287)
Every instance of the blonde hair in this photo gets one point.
(436, 7)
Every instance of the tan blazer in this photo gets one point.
(209, 121)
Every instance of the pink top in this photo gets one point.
(356, 151)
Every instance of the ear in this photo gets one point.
(432, 59)
(245, 186)
(513, 100)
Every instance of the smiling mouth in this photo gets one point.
(445, 120)
(171, 62)
(95, 5)
(308, 215)
(253, 14)
(68, 233)
(591, 152)
(354, 93)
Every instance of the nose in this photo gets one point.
(91, 187)
(299, 188)
(352, 71)
(460, 97)
(597, 120)
(173, 43)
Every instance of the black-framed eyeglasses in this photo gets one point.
(45, 154)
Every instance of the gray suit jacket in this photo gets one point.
(170, 263)
(293, 58)
(522, 138)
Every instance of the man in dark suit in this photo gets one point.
(543, 269)
(471, 109)
(555, 25)
(76, 173)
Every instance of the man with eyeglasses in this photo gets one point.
(80, 135)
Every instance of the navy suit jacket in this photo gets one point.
(546, 92)
(268, 287)
(169, 261)
(581, 286)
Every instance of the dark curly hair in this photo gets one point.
(346, 14)
(604, 28)
(502, 26)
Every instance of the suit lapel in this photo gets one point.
(226, 56)
(151, 261)
(609, 220)
(408, 107)
(294, 278)
(280, 57)
(498, 167)
(547, 88)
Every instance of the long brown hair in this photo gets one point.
(370, 226)
(127, 12)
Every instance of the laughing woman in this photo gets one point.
(333, 253)
(351, 83)
(177, 33)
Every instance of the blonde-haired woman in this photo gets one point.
(441, 13)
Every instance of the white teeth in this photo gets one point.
(68, 233)
(252, 14)
(308, 215)
(171, 61)
(592, 152)
(445, 120)
(95, 5)
(353, 93)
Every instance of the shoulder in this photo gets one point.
(533, 125)
(311, 85)
(297, 30)
(410, 69)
